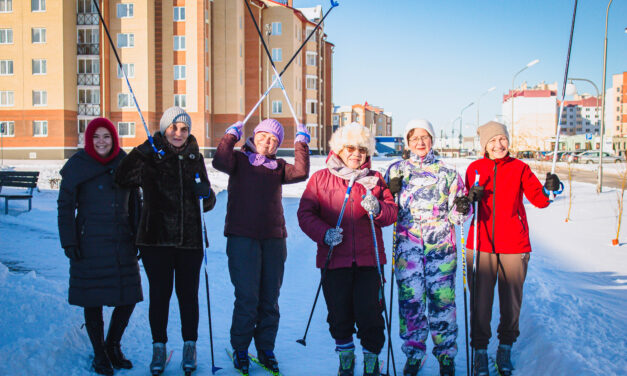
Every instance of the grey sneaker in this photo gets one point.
(503, 360)
(189, 356)
(481, 363)
(158, 358)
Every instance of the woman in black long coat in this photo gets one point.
(96, 230)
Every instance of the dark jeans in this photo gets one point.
(164, 266)
(256, 268)
(352, 297)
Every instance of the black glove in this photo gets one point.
(202, 189)
(209, 202)
(552, 183)
(475, 193)
(406, 154)
(462, 204)
(395, 185)
(73, 253)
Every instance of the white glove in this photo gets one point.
(370, 203)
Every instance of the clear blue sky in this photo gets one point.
(429, 59)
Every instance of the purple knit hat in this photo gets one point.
(271, 126)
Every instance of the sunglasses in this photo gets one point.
(351, 149)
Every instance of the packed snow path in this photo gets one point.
(573, 320)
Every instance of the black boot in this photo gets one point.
(101, 363)
(119, 321)
(240, 361)
(268, 359)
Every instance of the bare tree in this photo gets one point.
(620, 198)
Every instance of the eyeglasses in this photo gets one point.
(424, 139)
(351, 149)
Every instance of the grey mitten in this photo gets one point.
(333, 236)
(370, 203)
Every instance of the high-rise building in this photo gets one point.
(616, 106)
(581, 116)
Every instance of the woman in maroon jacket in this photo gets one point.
(255, 231)
(502, 239)
(351, 285)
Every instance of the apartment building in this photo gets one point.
(58, 71)
(581, 116)
(375, 118)
(616, 106)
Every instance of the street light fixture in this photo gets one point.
(479, 100)
(461, 114)
(529, 65)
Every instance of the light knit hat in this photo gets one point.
(271, 126)
(353, 134)
(419, 123)
(489, 130)
(173, 115)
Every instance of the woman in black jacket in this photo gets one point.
(95, 228)
(169, 234)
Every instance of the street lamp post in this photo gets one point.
(453, 133)
(600, 177)
(479, 100)
(461, 138)
(530, 64)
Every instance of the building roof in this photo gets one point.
(529, 94)
(583, 102)
(313, 14)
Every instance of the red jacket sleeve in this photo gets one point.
(533, 188)
(389, 210)
(224, 159)
(308, 213)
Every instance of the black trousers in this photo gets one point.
(119, 317)
(165, 267)
(352, 297)
(256, 268)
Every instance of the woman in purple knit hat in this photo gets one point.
(255, 231)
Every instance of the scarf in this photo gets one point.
(256, 159)
(339, 169)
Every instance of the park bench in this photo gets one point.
(18, 179)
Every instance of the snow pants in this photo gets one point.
(164, 267)
(510, 270)
(425, 274)
(352, 297)
(256, 268)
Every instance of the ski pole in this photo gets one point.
(552, 194)
(274, 81)
(475, 260)
(205, 243)
(385, 310)
(465, 300)
(303, 341)
(159, 152)
(393, 264)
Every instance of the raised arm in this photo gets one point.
(299, 171)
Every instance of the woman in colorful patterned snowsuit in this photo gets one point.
(432, 199)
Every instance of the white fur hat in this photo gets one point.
(419, 123)
(353, 134)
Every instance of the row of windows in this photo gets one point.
(85, 96)
(38, 35)
(311, 58)
(35, 5)
(311, 107)
(40, 128)
(7, 98)
(39, 66)
(276, 28)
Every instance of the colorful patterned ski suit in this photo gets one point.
(426, 255)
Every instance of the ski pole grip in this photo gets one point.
(476, 177)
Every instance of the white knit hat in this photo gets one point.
(172, 115)
(353, 134)
(419, 123)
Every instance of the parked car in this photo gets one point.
(591, 156)
(541, 154)
(526, 154)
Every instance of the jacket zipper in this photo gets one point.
(494, 209)
(353, 223)
(181, 200)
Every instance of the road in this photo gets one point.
(611, 180)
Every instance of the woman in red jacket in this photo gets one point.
(351, 285)
(502, 239)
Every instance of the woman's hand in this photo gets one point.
(371, 204)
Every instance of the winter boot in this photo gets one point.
(447, 365)
(101, 363)
(503, 360)
(189, 356)
(347, 362)
(240, 361)
(412, 366)
(481, 363)
(158, 358)
(119, 321)
(371, 364)
(267, 358)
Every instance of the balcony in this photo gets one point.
(89, 79)
(89, 109)
(87, 19)
(88, 48)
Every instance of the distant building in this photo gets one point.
(375, 118)
(616, 113)
(581, 116)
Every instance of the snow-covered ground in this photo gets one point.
(573, 320)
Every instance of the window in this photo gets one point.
(129, 69)
(87, 36)
(89, 96)
(6, 67)
(7, 128)
(312, 83)
(312, 106)
(6, 36)
(82, 125)
(276, 28)
(179, 14)
(37, 5)
(6, 6)
(180, 72)
(7, 98)
(126, 129)
(179, 43)
(180, 100)
(297, 33)
(38, 35)
(40, 128)
(277, 54)
(124, 100)
(40, 98)
(308, 31)
(39, 66)
(313, 130)
(125, 10)
(88, 66)
(277, 107)
(126, 40)
(312, 58)
(86, 6)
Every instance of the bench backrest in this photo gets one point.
(23, 179)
